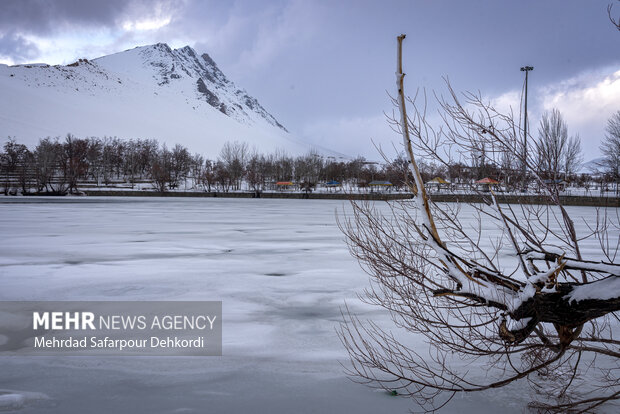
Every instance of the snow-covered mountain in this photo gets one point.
(175, 96)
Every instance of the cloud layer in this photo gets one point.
(586, 102)
(323, 67)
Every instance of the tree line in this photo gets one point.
(59, 166)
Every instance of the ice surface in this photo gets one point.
(280, 267)
(16, 400)
(11, 401)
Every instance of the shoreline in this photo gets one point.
(592, 201)
(530, 199)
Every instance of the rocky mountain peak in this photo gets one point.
(197, 76)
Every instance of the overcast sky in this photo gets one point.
(323, 67)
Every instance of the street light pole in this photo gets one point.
(525, 69)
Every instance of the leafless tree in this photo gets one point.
(558, 155)
(16, 163)
(573, 157)
(611, 148)
(161, 169)
(74, 161)
(256, 172)
(397, 171)
(523, 302)
(94, 159)
(222, 176)
(282, 165)
(197, 167)
(49, 158)
(180, 164)
(208, 179)
(509, 170)
(307, 169)
(234, 158)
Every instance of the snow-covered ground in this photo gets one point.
(280, 267)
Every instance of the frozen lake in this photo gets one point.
(280, 267)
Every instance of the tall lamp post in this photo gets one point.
(525, 69)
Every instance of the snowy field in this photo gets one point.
(280, 267)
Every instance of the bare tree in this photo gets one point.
(558, 155)
(283, 166)
(197, 167)
(16, 164)
(509, 169)
(611, 148)
(49, 158)
(180, 164)
(397, 171)
(234, 158)
(161, 170)
(573, 157)
(526, 306)
(208, 177)
(94, 159)
(307, 170)
(256, 172)
(75, 162)
(222, 176)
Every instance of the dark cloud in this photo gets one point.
(47, 16)
(16, 47)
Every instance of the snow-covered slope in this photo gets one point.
(175, 96)
(592, 166)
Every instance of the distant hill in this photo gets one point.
(591, 166)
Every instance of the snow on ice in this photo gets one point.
(280, 267)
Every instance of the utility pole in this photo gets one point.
(525, 69)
